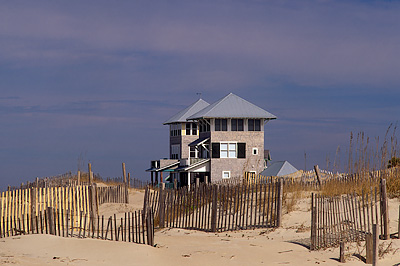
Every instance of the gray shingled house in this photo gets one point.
(214, 142)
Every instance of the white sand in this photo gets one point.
(183, 247)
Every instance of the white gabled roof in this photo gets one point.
(232, 106)
(188, 111)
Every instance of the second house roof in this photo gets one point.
(188, 111)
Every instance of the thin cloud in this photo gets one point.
(312, 44)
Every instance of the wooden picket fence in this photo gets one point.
(131, 227)
(348, 218)
(217, 208)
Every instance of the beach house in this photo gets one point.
(213, 142)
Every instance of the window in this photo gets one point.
(193, 152)
(175, 151)
(175, 129)
(226, 174)
(221, 124)
(224, 124)
(187, 128)
(254, 125)
(255, 151)
(236, 124)
(228, 150)
(257, 125)
(194, 129)
(191, 129)
(217, 125)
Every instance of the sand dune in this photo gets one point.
(283, 246)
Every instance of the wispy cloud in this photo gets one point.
(310, 43)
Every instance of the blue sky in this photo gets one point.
(95, 79)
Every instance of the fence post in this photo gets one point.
(93, 208)
(341, 256)
(33, 208)
(214, 209)
(89, 173)
(149, 226)
(50, 220)
(279, 205)
(398, 225)
(124, 173)
(162, 206)
(126, 194)
(145, 200)
(313, 223)
(369, 248)
(384, 210)
(375, 245)
(317, 174)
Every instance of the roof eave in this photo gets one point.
(208, 117)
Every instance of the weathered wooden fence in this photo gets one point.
(70, 211)
(314, 180)
(348, 218)
(21, 203)
(131, 227)
(112, 194)
(218, 208)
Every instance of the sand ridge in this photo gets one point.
(281, 246)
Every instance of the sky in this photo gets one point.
(93, 81)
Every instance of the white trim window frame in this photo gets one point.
(226, 174)
(228, 150)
